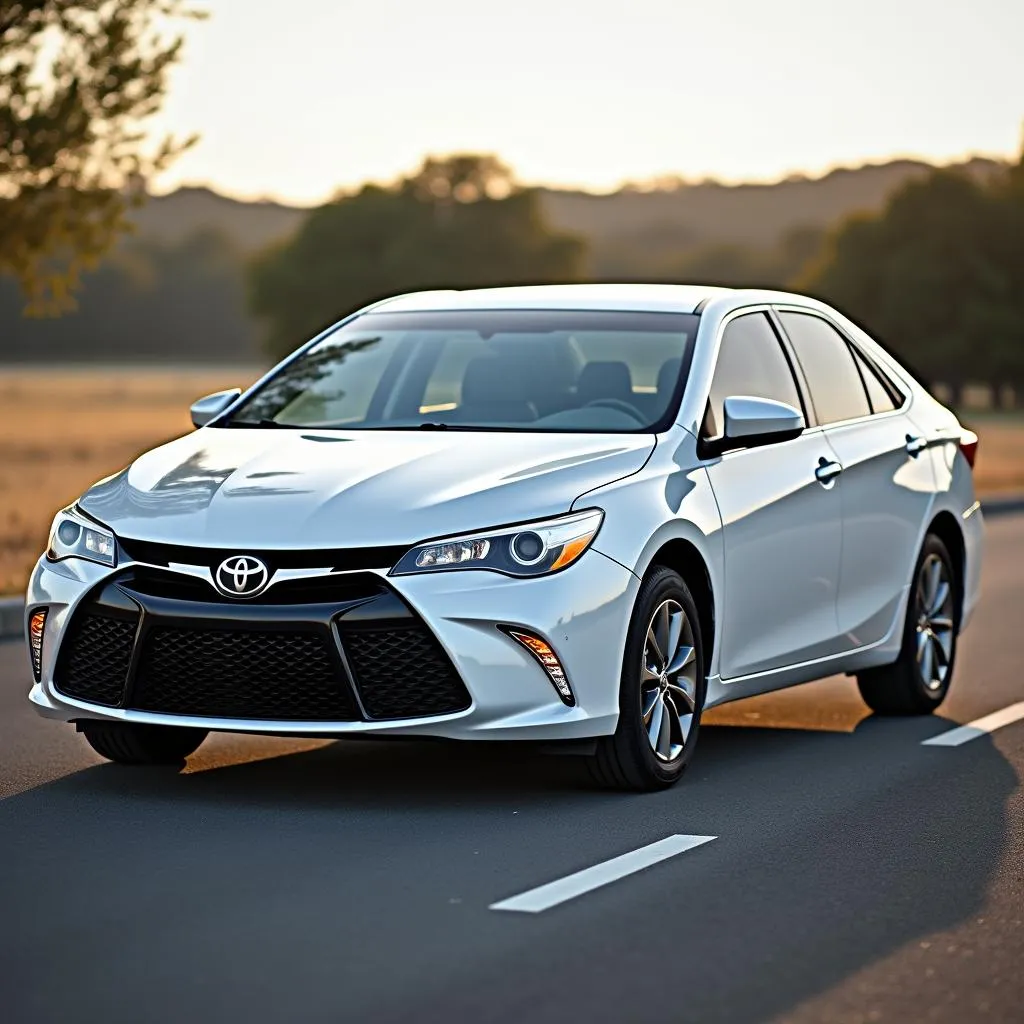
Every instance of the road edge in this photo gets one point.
(12, 609)
(1003, 505)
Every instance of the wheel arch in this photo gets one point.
(684, 558)
(945, 526)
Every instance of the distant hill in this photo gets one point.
(174, 291)
(633, 228)
(248, 225)
(690, 214)
(743, 214)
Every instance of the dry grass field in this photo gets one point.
(61, 430)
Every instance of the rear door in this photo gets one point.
(781, 525)
(887, 486)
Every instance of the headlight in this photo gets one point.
(74, 536)
(530, 549)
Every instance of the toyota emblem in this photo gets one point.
(241, 576)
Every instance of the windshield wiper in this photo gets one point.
(440, 425)
(265, 424)
(268, 424)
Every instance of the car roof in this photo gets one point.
(661, 298)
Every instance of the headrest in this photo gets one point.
(668, 375)
(496, 379)
(604, 380)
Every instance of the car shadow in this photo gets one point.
(834, 849)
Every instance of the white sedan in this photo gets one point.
(578, 513)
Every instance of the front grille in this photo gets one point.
(286, 675)
(338, 559)
(178, 586)
(403, 673)
(94, 659)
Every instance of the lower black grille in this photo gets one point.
(240, 674)
(94, 660)
(202, 656)
(403, 673)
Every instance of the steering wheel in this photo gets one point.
(618, 404)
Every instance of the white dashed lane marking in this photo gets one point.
(544, 897)
(980, 727)
(568, 888)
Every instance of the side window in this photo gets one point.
(880, 391)
(750, 362)
(836, 387)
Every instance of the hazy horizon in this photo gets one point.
(953, 161)
(583, 95)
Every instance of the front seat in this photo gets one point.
(668, 375)
(604, 380)
(496, 389)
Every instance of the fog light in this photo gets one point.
(36, 622)
(545, 654)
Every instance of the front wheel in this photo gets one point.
(918, 681)
(130, 743)
(661, 691)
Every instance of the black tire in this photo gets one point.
(626, 760)
(128, 743)
(900, 688)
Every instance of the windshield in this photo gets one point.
(605, 372)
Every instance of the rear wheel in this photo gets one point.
(661, 691)
(918, 681)
(130, 743)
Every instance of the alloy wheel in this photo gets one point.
(668, 680)
(934, 606)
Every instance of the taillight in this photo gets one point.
(969, 446)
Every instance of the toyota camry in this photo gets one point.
(577, 514)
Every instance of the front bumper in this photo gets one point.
(582, 612)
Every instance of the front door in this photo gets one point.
(781, 525)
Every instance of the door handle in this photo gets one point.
(915, 445)
(827, 470)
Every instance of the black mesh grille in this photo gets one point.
(241, 674)
(94, 661)
(403, 673)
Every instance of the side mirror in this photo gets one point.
(754, 421)
(210, 407)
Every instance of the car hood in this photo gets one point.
(220, 487)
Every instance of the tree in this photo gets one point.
(78, 80)
(458, 222)
(148, 301)
(939, 275)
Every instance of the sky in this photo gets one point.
(294, 100)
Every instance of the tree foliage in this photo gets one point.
(180, 301)
(78, 80)
(459, 221)
(939, 275)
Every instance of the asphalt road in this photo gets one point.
(856, 875)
